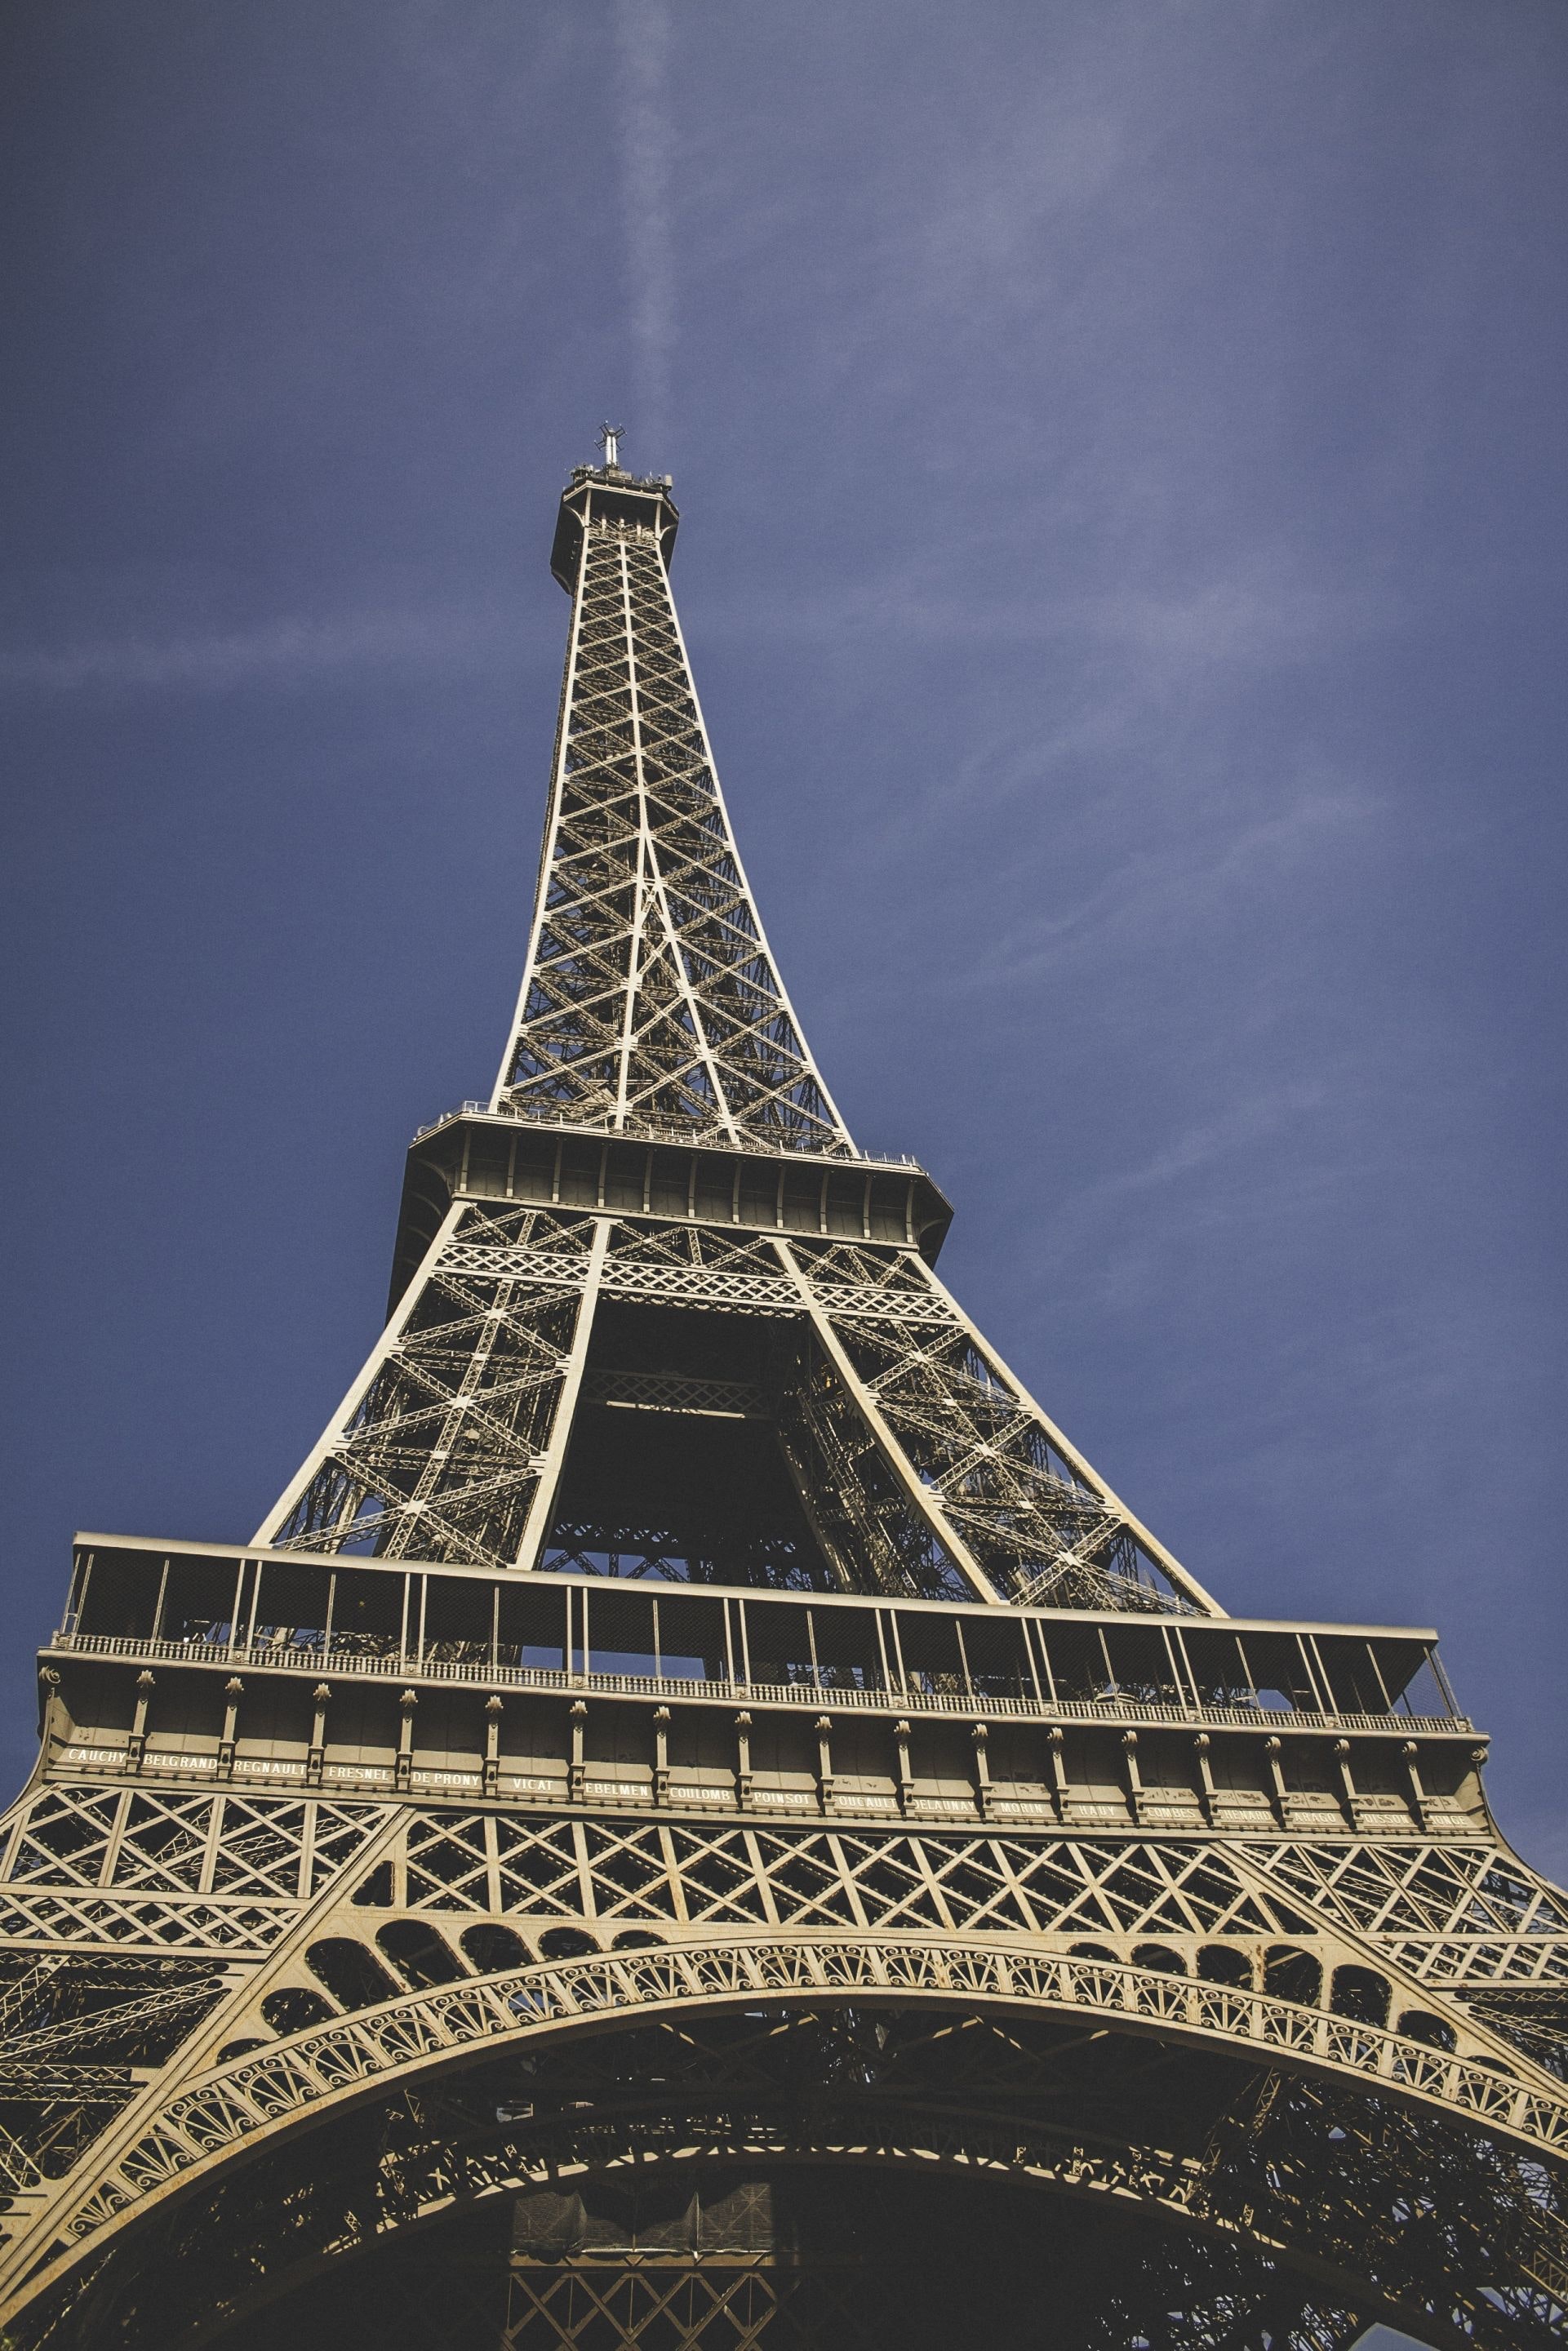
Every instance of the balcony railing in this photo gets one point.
(688, 1134)
(821, 1694)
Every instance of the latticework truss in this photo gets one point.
(649, 1000)
(701, 1823)
(922, 1464)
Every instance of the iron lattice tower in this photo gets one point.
(700, 1819)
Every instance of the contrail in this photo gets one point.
(647, 146)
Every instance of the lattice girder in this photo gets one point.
(650, 998)
(173, 2142)
(439, 1446)
(921, 1465)
(1097, 1926)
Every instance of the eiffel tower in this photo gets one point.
(700, 1819)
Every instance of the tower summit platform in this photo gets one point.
(608, 494)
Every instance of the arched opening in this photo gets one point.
(1222, 1963)
(1290, 1974)
(489, 1947)
(420, 1955)
(567, 1943)
(1360, 1993)
(1160, 1957)
(350, 1971)
(1418, 2025)
(295, 2009)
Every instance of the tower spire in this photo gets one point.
(650, 1003)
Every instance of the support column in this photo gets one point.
(1133, 1776)
(824, 1727)
(492, 1746)
(541, 1510)
(1053, 1746)
(925, 1499)
(1271, 1750)
(136, 1745)
(234, 1690)
(301, 1484)
(50, 1709)
(1411, 1755)
(901, 1736)
(1346, 1780)
(660, 1754)
(316, 1758)
(406, 1704)
(742, 1760)
(1200, 1746)
(577, 1770)
(980, 1735)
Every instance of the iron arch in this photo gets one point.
(441, 2151)
(258, 2101)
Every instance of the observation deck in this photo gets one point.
(608, 493)
(677, 1176)
(207, 1661)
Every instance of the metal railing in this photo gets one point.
(482, 1673)
(688, 1135)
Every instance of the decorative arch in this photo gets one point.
(1203, 2165)
(238, 2110)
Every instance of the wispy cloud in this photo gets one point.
(1254, 1118)
(283, 650)
(647, 162)
(1251, 609)
(1180, 885)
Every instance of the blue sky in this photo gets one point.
(1122, 459)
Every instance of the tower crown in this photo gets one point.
(609, 495)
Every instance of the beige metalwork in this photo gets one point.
(693, 1724)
